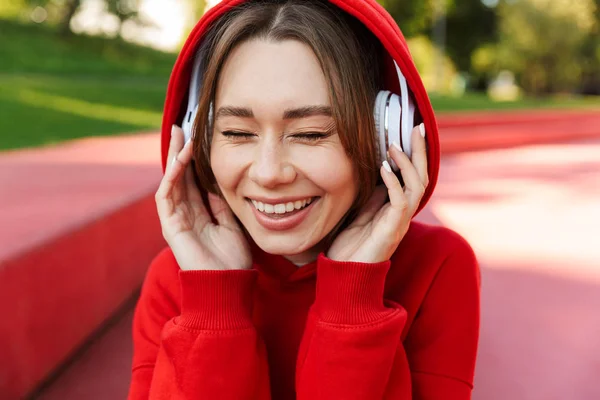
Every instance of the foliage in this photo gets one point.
(61, 12)
(542, 42)
(413, 17)
(425, 57)
(469, 24)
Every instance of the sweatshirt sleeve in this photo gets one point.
(210, 349)
(352, 338)
(444, 336)
(352, 346)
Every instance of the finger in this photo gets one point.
(190, 183)
(185, 155)
(413, 187)
(222, 212)
(419, 153)
(374, 204)
(175, 144)
(169, 187)
(398, 200)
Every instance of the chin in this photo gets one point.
(283, 245)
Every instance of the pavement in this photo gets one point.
(531, 213)
(521, 187)
(79, 229)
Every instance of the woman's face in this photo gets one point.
(275, 153)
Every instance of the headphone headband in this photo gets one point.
(393, 124)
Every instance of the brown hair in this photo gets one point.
(349, 55)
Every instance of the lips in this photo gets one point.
(284, 220)
(283, 208)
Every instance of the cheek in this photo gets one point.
(226, 168)
(332, 171)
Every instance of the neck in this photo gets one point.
(307, 256)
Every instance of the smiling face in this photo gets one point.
(275, 153)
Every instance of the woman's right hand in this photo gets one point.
(196, 242)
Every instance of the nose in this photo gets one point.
(270, 166)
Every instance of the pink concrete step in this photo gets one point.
(79, 228)
(480, 131)
(531, 215)
(506, 117)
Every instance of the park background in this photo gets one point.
(515, 85)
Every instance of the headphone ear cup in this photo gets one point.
(386, 114)
(394, 110)
(378, 117)
(209, 123)
(188, 123)
(408, 122)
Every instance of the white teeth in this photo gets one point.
(281, 208)
(259, 206)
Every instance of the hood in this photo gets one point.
(374, 17)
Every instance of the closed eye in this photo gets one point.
(311, 136)
(237, 134)
(305, 136)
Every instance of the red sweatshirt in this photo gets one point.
(398, 330)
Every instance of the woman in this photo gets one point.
(290, 273)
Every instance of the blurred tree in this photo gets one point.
(426, 59)
(66, 10)
(469, 24)
(123, 9)
(199, 6)
(591, 54)
(69, 8)
(11, 9)
(413, 17)
(544, 43)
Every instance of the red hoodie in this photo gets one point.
(402, 329)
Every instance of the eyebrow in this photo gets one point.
(293, 113)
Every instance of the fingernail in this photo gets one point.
(396, 145)
(386, 165)
(422, 129)
(173, 127)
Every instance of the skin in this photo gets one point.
(273, 161)
(269, 157)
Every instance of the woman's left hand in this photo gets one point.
(378, 229)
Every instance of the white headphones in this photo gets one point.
(394, 115)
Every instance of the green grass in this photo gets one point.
(55, 88)
(36, 110)
(30, 48)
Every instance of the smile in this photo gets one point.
(282, 216)
(281, 208)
